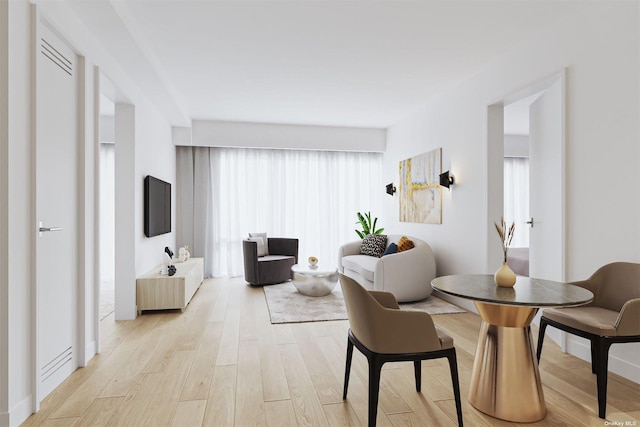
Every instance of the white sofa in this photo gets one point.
(407, 275)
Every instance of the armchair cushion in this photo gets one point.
(364, 265)
(404, 244)
(374, 245)
(391, 249)
(262, 248)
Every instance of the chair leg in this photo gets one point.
(543, 326)
(347, 368)
(594, 356)
(602, 372)
(453, 366)
(417, 368)
(375, 366)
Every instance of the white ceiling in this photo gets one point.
(341, 63)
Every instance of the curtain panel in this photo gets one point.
(225, 193)
(516, 198)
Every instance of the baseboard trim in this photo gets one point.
(89, 351)
(18, 414)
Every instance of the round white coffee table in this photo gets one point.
(314, 282)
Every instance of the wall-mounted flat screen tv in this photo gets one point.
(157, 206)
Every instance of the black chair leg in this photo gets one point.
(594, 356)
(347, 368)
(375, 366)
(453, 366)
(543, 326)
(602, 373)
(417, 368)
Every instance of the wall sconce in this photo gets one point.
(391, 189)
(446, 179)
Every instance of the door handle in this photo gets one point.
(42, 229)
(530, 222)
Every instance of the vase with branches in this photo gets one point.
(505, 276)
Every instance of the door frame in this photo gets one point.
(37, 21)
(495, 160)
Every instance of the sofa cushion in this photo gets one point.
(268, 258)
(262, 248)
(594, 320)
(265, 243)
(364, 265)
(373, 245)
(404, 244)
(391, 249)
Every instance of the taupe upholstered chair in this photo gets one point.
(612, 317)
(383, 334)
(275, 267)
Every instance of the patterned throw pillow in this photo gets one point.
(374, 245)
(404, 244)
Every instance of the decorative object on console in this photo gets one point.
(171, 270)
(391, 189)
(368, 226)
(187, 254)
(446, 179)
(419, 189)
(168, 252)
(505, 276)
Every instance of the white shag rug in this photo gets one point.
(287, 305)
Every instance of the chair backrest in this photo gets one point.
(361, 310)
(615, 284)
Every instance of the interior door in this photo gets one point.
(546, 180)
(56, 211)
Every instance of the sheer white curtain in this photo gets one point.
(309, 195)
(516, 198)
(107, 212)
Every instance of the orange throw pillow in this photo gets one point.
(404, 244)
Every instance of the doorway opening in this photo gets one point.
(107, 206)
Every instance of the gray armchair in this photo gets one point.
(272, 268)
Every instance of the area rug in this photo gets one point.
(287, 305)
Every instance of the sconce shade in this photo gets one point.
(446, 179)
(391, 189)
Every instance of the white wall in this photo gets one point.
(516, 146)
(153, 145)
(208, 133)
(599, 49)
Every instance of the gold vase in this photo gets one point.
(505, 276)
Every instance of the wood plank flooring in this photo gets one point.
(222, 363)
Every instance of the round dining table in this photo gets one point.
(505, 380)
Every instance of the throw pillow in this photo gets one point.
(391, 249)
(404, 244)
(373, 245)
(263, 250)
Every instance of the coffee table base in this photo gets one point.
(505, 381)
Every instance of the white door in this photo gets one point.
(57, 210)
(546, 180)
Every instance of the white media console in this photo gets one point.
(156, 291)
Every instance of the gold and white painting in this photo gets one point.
(419, 190)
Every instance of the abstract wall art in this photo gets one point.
(419, 190)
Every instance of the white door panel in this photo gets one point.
(546, 179)
(56, 207)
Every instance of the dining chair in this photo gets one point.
(612, 317)
(383, 333)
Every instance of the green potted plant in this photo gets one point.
(368, 226)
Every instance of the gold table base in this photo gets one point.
(505, 381)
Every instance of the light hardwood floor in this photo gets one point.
(222, 363)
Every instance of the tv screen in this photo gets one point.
(157, 206)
